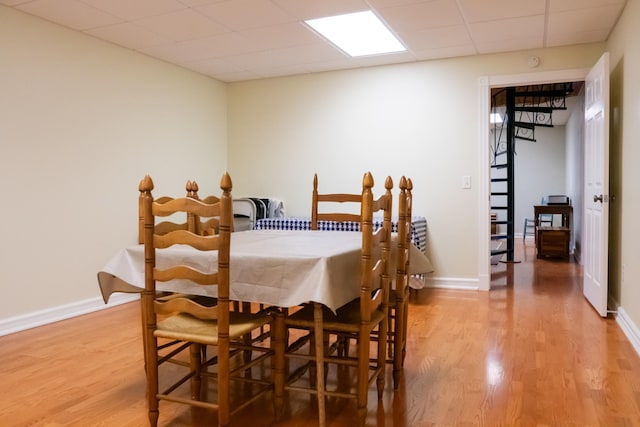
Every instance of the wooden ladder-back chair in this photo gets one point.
(180, 323)
(357, 319)
(332, 200)
(399, 295)
(207, 226)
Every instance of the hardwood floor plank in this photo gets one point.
(531, 352)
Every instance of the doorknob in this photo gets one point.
(597, 198)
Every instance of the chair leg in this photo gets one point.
(318, 332)
(223, 381)
(363, 375)
(196, 366)
(279, 344)
(382, 356)
(398, 344)
(151, 357)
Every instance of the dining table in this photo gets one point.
(279, 268)
(282, 268)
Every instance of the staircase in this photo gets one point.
(523, 109)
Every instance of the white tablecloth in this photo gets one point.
(283, 268)
(274, 267)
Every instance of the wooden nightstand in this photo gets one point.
(553, 242)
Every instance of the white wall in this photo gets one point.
(418, 119)
(81, 122)
(539, 171)
(574, 136)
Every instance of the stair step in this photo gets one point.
(545, 125)
(532, 126)
(499, 193)
(502, 208)
(525, 125)
(499, 179)
(547, 110)
(524, 138)
(500, 153)
(500, 166)
(499, 237)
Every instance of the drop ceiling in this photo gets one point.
(234, 40)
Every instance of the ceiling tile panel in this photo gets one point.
(574, 21)
(287, 57)
(245, 14)
(434, 38)
(508, 45)
(195, 3)
(562, 5)
(563, 39)
(70, 13)
(280, 36)
(136, 9)
(491, 10)
(416, 16)
(446, 52)
(14, 2)
(127, 34)
(381, 4)
(531, 27)
(185, 24)
(304, 9)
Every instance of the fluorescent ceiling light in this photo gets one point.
(357, 34)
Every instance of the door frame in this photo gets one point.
(485, 84)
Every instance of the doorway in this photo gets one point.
(485, 85)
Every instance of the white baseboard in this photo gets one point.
(54, 314)
(452, 283)
(629, 328)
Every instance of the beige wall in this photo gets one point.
(624, 170)
(78, 114)
(81, 122)
(341, 124)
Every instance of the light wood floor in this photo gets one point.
(531, 352)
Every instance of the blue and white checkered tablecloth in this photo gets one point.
(418, 229)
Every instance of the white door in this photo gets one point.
(596, 185)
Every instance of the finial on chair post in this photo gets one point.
(225, 183)
(144, 187)
(367, 180)
(146, 184)
(192, 189)
(403, 183)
